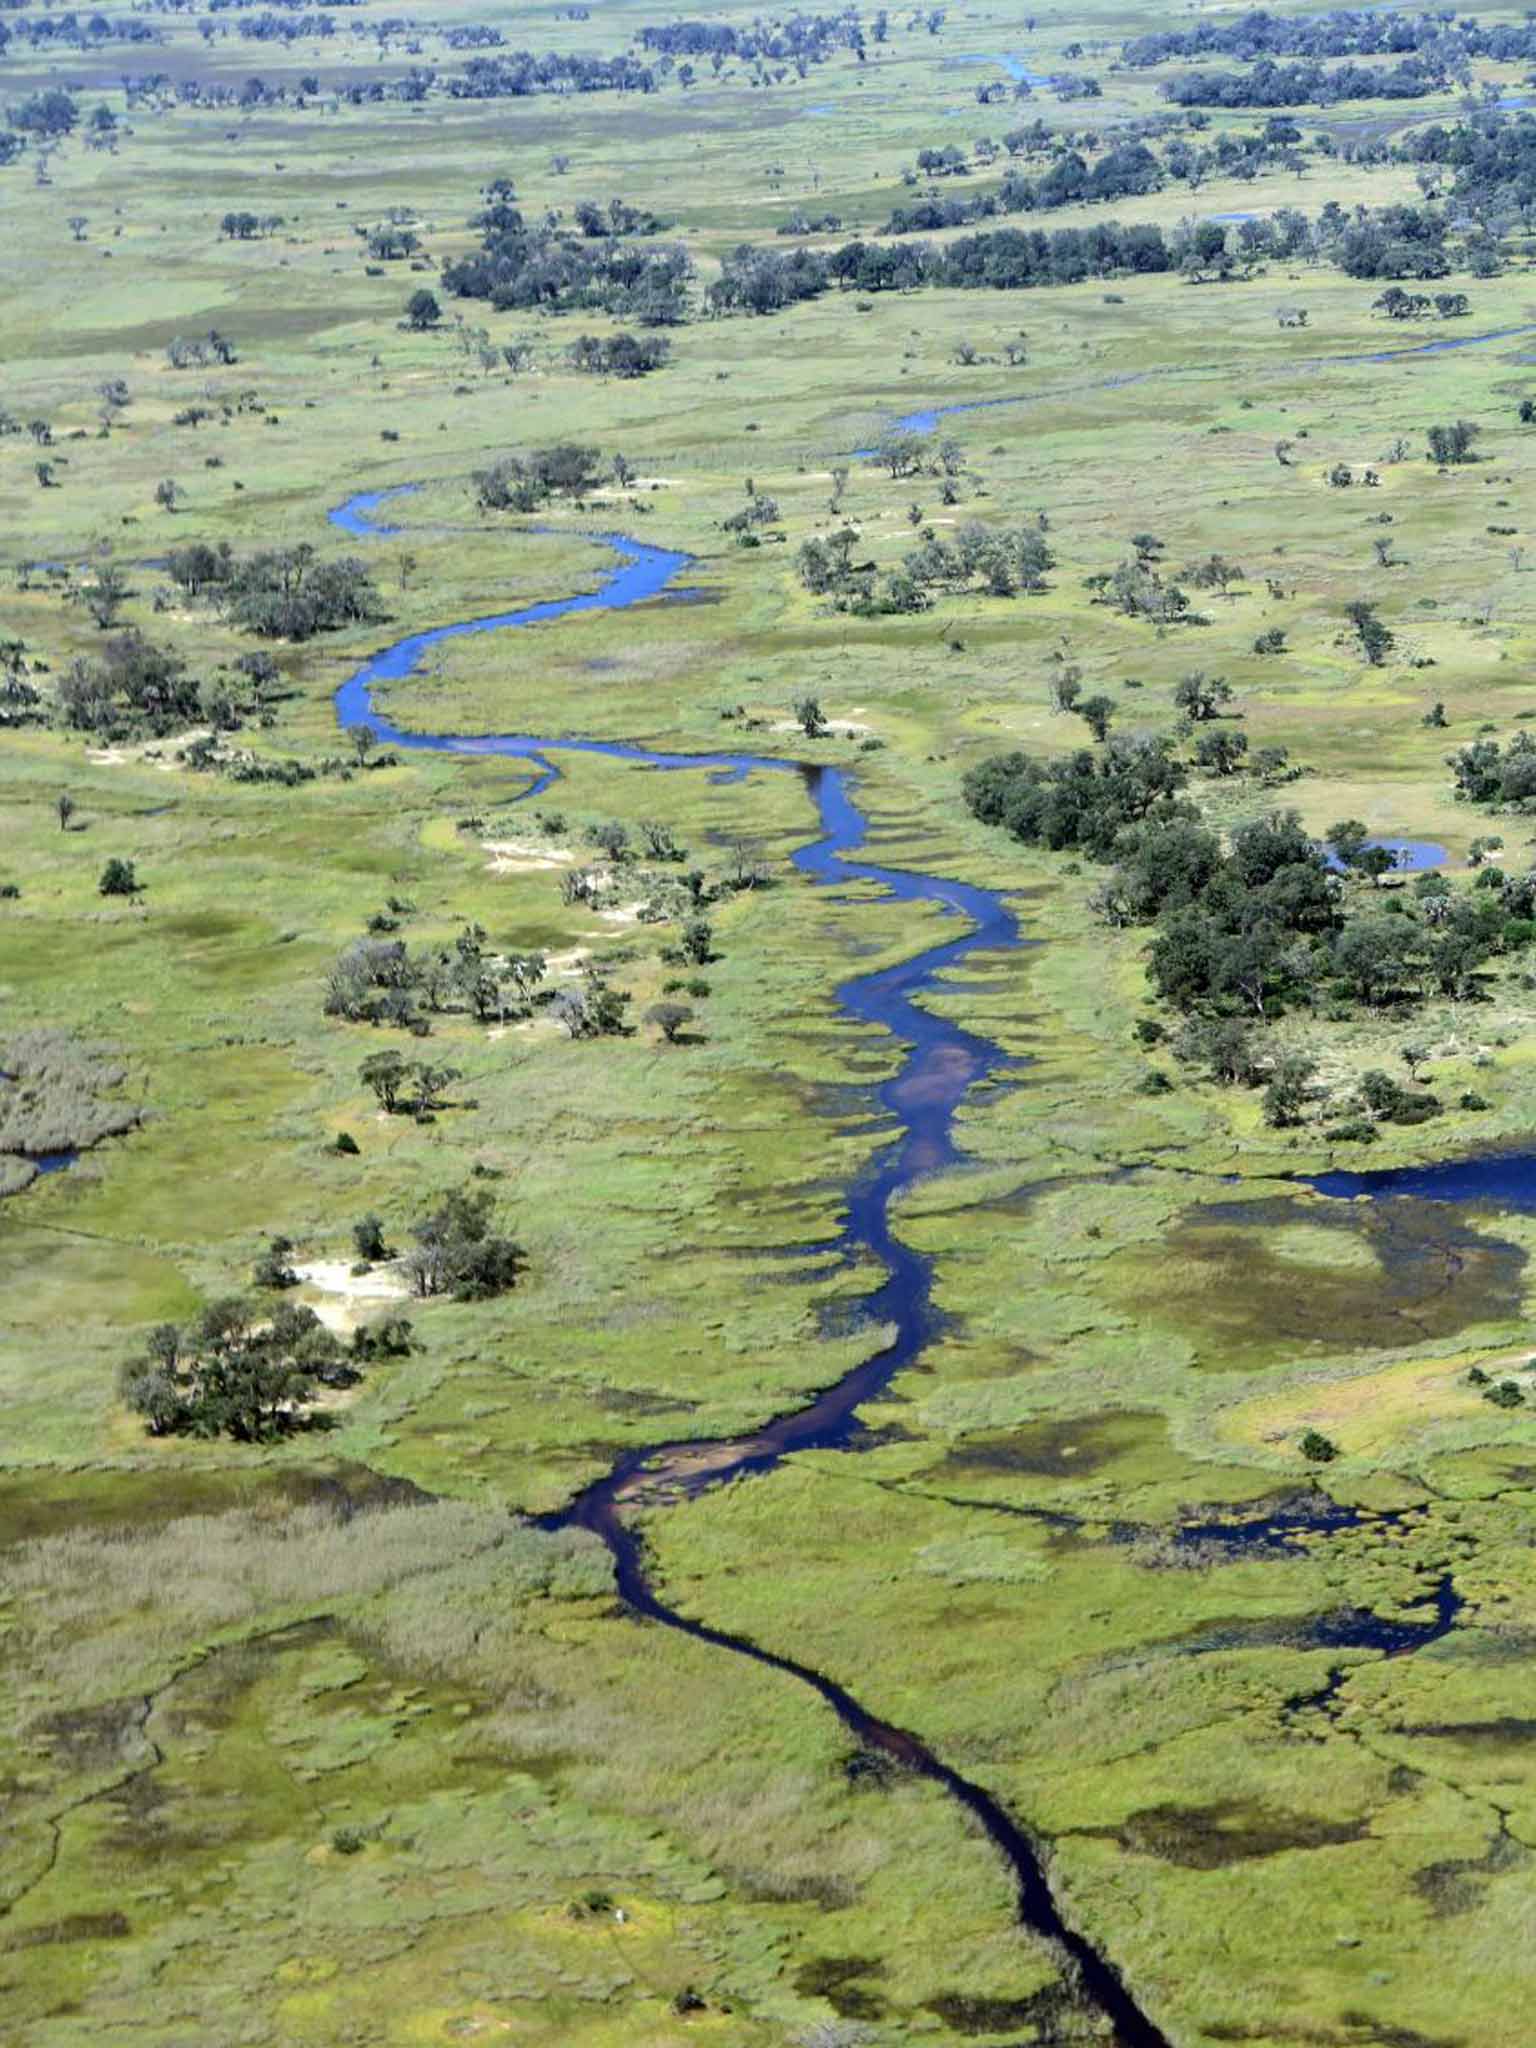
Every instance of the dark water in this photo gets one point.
(941, 1064)
(55, 1162)
(1493, 1180)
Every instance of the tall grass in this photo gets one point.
(101, 1606)
(52, 1098)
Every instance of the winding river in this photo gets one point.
(941, 1063)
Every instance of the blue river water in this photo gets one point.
(1491, 1180)
(941, 1063)
(1017, 68)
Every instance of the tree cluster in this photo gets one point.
(553, 269)
(243, 1372)
(379, 980)
(524, 482)
(460, 1250)
(619, 355)
(1306, 83)
(279, 593)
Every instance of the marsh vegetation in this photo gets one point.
(702, 919)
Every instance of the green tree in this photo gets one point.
(669, 1019)
(1221, 752)
(696, 940)
(368, 1238)
(118, 878)
(1347, 841)
(1375, 641)
(1200, 696)
(1286, 1095)
(275, 1268)
(1375, 956)
(386, 1074)
(422, 310)
(1451, 445)
(1096, 713)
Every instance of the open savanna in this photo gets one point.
(277, 1775)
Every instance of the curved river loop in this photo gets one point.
(942, 1062)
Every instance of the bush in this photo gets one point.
(1320, 1449)
(118, 878)
(1472, 1100)
(1355, 1130)
(368, 1238)
(275, 1267)
(458, 1252)
(1505, 1395)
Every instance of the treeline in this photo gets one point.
(1128, 172)
(557, 270)
(522, 74)
(795, 39)
(78, 32)
(761, 281)
(1305, 84)
(1493, 161)
(1002, 561)
(133, 688)
(271, 27)
(1339, 33)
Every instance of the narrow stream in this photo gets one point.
(926, 419)
(942, 1063)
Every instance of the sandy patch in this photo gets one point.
(564, 965)
(341, 1298)
(523, 856)
(837, 728)
(149, 751)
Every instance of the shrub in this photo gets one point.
(458, 1251)
(275, 1267)
(368, 1238)
(1320, 1449)
(118, 878)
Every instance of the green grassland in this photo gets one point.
(292, 1755)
